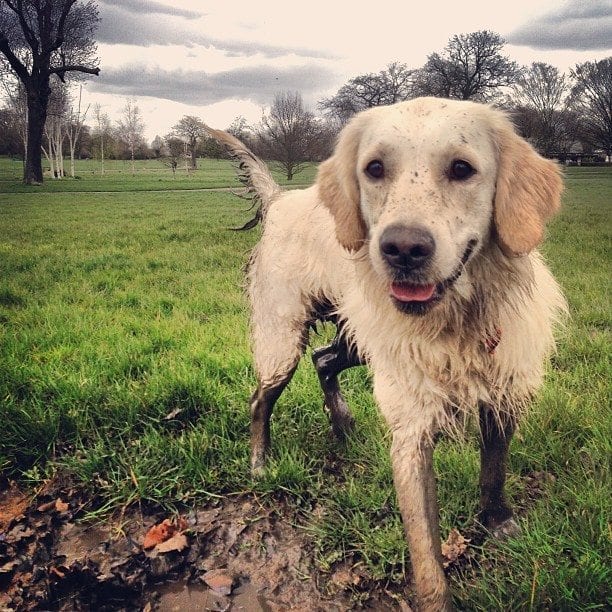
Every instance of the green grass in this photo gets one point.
(124, 361)
(150, 175)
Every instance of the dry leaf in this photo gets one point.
(159, 533)
(454, 547)
(163, 533)
(345, 578)
(177, 543)
(219, 581)
(46, 507)
(61, 506)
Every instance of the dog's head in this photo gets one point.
(425, 184)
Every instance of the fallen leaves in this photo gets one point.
(58, 505)
(166, 536)
(454, 547)
(220, 581)
(12, 504)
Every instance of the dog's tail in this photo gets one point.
(253, 173)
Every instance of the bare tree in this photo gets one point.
(471, 67)
(101, 133)
(240, 128)
(17, 103)
(132, 128)
(287, 132)
(543, 89)
(388, 86)
(191, 129)
(157, 146)
(592, 99)
(73, 128)
(57, 110)
(40, 38)
(10, 138)
(174, 148)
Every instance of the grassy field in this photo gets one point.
(124, 362)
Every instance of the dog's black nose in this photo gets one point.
(407, 247)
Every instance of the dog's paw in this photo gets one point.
(258, 464)
(507, 529)
(342, 426)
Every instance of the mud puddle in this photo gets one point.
(234, 555)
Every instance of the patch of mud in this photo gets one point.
(241, 555)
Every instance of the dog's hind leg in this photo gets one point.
(495, 434)
(279, 340)
(262, 403)
(329, 361)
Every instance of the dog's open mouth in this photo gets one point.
(409, 292)
(418, 298)
(413, 298)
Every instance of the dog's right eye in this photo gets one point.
(375, 169)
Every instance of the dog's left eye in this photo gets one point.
(375, 169)
(461, 170)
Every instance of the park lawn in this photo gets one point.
(124, 362)
(150, 175)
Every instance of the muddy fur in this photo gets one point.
(476, 348)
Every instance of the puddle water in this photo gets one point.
(181, 597)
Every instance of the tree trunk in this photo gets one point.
(194, 163)
(37, 114)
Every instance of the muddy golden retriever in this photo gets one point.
(418, 239)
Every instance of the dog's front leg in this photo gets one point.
(413, 475)
(496, 431)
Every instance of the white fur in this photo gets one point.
(430, 371)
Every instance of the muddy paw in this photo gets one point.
(508, 529)
(258, 464)
(342, 427)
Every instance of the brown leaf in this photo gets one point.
(177, 543)
(46, 507)
(345, 578)
(454, 547)
(159, 533)
(219, 581)
(61, 506)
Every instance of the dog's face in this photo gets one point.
(425, 184)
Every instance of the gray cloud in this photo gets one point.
(150, 6)
(575, 25)
(122, 23)
(200, 88)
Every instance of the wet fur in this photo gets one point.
(435, 370)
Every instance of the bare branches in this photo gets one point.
(390, 85)
(471, 67)
(40, 39)
(592, 98)
(288, 132)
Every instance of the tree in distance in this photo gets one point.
(39, 39)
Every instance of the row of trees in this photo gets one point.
(44, 39)
(552, 109)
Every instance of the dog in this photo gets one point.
(419, 240)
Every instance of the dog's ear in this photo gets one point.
(528, 193)
(339, 190)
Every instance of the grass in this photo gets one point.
(124, 362)
(151, 175)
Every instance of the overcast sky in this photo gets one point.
(221, 59)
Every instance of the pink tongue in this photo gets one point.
(404, 292)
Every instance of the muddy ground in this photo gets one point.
(233, 554)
